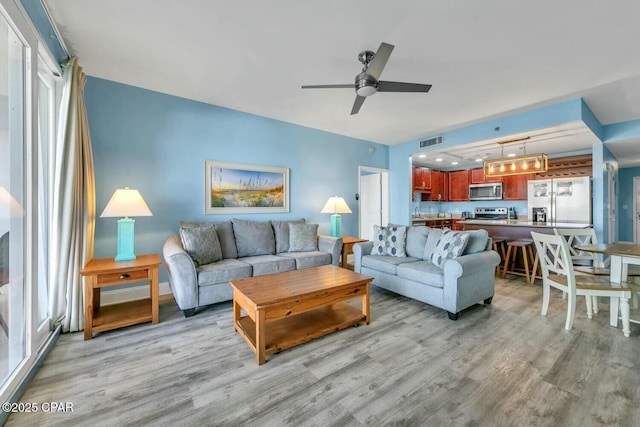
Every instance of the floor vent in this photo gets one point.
(431, 141)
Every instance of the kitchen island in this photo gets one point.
(514, 229)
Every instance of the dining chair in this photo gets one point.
(587, 263)
(558, 272)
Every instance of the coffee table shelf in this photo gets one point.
(291, 331)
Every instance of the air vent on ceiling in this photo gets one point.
(431, 141)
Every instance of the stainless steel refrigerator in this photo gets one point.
(560, 200)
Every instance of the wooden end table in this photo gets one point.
(105, 272)
(347, 248)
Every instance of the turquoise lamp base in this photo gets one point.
(125, 240)
(336, 225)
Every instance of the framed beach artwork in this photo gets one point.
(236, 188)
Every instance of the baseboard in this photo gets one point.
(130, 294)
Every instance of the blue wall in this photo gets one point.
(625, 203)
(158, 144)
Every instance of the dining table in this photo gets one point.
(621, 256)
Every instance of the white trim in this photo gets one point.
(117, 296)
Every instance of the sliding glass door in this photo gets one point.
(13, 314)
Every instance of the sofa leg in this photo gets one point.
(189, 312)
(452, 316)
(488, 300)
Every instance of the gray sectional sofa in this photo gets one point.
(206, 255)
(429, 267)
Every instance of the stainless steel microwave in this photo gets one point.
(491, 191)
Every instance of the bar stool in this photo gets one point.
(500, 246)
(526, 251)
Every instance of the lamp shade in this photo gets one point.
(335, 205)
(126, 202)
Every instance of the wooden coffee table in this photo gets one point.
(287, 309)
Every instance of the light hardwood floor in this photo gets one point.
(498, 365)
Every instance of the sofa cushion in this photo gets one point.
(416, 240)
(225, 236)
(281, 232)
(201, 243)
(432, 239)
(253, 237)
(384, 263)
(303, 237)
(389, 240)
(477, 241)
(308, 259)
(269, 264)
(223, 271)
(450, 245)
(422, 272)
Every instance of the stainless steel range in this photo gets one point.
(491, 213)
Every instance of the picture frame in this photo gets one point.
(239, 188)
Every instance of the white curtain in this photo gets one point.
(73, 216)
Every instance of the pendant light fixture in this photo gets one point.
(505, 166)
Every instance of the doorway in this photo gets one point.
(373, 188)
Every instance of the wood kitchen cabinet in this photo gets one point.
(458, 185)
(438, 188)
(477, 177)
(421, 179)
(514, 187)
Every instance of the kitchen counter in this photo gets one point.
(517, 229)
(525, 223)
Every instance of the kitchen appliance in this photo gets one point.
(563, 200)
(539, 214)
(491, 213)
(492, 191)
(466, 214)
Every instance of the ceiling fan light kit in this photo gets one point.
(367, 82)
(535, 163)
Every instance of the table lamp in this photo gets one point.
(126, 202)
(336, 205)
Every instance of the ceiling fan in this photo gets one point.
(367, 82)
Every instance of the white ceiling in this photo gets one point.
(485, 59)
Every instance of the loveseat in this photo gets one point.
(448, 269)
(205, 256)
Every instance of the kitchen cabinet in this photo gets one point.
(477, 177)
(458, 185)
(458, 224)
(514, 187)
(421, 179)
(438, 189)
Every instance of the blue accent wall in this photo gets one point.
(625, 203)
(158, 144)
(399, 155)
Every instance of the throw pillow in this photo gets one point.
(450, 245)
(303, 237)
(281, 230)
(477, 241)
(253, 237)
(389, 240)
(432, 239)
(225, 235)
(201, 243)
(416, 240)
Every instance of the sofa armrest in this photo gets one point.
(183, 277)
(332, 246)
(359, 250)
(469, 264)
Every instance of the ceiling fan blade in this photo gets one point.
(379, 60)
(402, 87)
(357, 104)
(347, 86)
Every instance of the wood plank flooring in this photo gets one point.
(498, 365)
